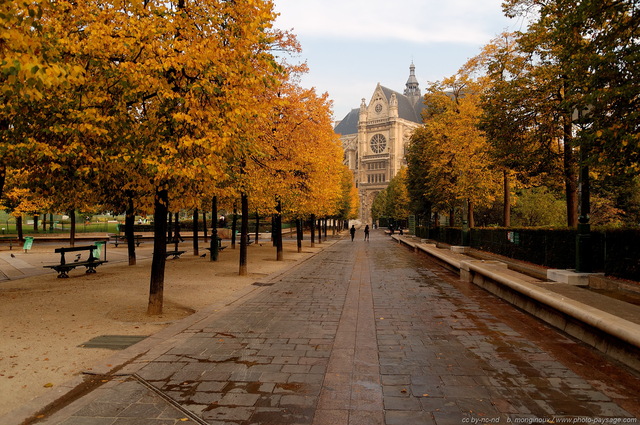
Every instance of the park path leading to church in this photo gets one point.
(363, 333)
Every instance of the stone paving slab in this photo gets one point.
(349, 338)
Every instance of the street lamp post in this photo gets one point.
(465, 223)
(583, 235)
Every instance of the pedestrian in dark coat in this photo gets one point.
(352, 231)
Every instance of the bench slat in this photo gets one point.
(76, 248)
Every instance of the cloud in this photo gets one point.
(416, 21)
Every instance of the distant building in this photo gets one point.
(375, 138)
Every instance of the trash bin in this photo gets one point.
(100, 245)
(28, 243)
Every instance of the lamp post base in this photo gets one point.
(583, 248)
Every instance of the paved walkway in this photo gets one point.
(363, 333)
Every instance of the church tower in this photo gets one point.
(412, 90)
(375, 137)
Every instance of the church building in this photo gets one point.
(375, 137)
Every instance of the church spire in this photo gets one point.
(412, 89)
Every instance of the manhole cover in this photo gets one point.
(113, 342)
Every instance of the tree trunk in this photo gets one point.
(427, 214)
(278, 232)
(156, 287)
(19, 228)
(299, 234)
(204, 227)
(213, 247)
(35, 223)
(234, 226)
(244, 232)
(570, 176)
(506, 210)
(3, 176)
(176, 230)
(257, 227)
(452, 217)
(319, 230)
(72, 231)
(471, 219)
(128, 232)
(273, 230)
(313, 230)
(169, 227)
(195, 232)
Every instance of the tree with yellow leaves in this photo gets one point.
(167, 87)
(291, 168)
(452, 150)
(30, 67)
(579, 90)
(393, 202)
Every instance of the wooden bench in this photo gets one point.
(176, 254)
(117, 239)
(11, 239)
(63, 268)
(220, 247)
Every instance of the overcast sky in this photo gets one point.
(351, 45)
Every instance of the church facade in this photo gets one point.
(375, 137)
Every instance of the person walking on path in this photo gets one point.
(366, 232)
(352, 231)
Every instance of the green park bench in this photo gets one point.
(11, 240)
(118, 239)
(220, 247)
(63, 268)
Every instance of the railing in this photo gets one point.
(615, 252)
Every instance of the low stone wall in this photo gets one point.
(612, 335)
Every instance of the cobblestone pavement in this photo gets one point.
(366, 333)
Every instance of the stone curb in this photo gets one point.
(606, 322)
(595, 318)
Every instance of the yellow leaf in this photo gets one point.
(48, 385)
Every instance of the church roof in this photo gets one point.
(406, 108)
(349, 124)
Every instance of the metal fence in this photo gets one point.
(615, 252)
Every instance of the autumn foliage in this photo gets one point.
(151, 106)
(546, 110)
